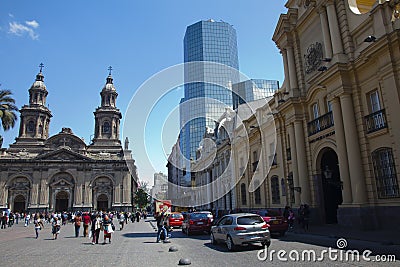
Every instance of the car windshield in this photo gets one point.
(176, 216)
(249, 220)
(198, 216)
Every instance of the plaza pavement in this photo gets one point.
(133, 246)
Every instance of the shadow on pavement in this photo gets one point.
(140, 235)
(221, 247)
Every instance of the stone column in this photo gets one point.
(127, 186)
(358, 186)
(22, 131)
(34, 194)
(293, 152)
(3, 190)
(292, 68)
(37, 127)
(286, 69)
(341, 151)
(337, 45)
(325, 33)
(117, 196)
(302, 162)
(78, 195)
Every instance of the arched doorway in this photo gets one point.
(331, 185)
(19, 203)
(102, 202)
(62, 199)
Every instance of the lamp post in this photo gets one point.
(329, 179)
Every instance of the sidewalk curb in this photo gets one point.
(334, 236)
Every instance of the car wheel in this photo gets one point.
(183, 230)
(266, 243)
(229, 244)
(212, 238)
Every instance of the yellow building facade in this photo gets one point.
(335, 114)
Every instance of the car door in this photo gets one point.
(226, 227)
(218, 229)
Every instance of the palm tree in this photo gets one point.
(8, 110)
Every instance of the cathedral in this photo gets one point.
(61, 172)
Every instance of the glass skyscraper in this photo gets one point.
(206, 84)
(252, 90)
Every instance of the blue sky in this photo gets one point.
(78, 40)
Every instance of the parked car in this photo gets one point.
(175, 219)
(277, 223)
(240, 229)
(209, 215)
(196, 222)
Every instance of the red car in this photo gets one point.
(175, 219)
(197, 222)
(277, 224)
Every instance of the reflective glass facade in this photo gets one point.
(252, 90)
(213, 42)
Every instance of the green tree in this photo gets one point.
(141, 198)
(8, 111)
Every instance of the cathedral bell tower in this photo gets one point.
(107, 119)
(35, 117)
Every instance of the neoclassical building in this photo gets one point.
(61, 172)
(336, 111)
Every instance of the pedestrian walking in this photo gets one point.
(56, 227)
(38, 223)
(306, 217)
(86, 223)
(96, 226)
(108, 229)
(77, 224)
(121, 221)
(161, 230)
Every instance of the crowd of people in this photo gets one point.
(91, 223)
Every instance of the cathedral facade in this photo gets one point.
(61, 172)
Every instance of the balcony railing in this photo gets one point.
(376, 121)
(320, 123)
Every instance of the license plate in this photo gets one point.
(199, 223)
(275, 222)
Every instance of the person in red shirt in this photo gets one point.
(77, 223)
(86, 222)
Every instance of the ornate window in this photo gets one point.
(243, 194)
(31, 127)
(106, 127)
(276, 198)
(385, 173)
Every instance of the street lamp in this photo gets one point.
(329, 179)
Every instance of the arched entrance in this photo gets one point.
(331, 184)
(102, 202)
(19, 203)
(62, 199)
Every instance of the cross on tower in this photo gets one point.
(41, 65)
(110, 69)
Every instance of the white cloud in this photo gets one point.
(20, 29)
(34, 24)
(10, 15)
